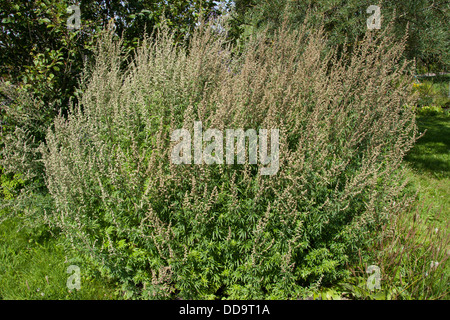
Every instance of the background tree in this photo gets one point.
(40, 53)
(428, 39)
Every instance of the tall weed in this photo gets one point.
(225, 231)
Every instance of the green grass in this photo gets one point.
(424, 230)
(429, 163)
(33, 266)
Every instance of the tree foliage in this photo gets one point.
(345, 20)
(41, 56)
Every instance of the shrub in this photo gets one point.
(220, 230)
(433, 93)
(430, 110)
(24, 125)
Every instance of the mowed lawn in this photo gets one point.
(429, 163)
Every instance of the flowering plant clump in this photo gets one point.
(223, 230)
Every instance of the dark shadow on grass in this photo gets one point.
(431, 152)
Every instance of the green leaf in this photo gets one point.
(379, 296)
(43, 20)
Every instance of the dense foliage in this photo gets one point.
(219, 230)
(43, 59)
(93, 161)
(345, 23)
(41, 63)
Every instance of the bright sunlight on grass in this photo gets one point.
(32, 266)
